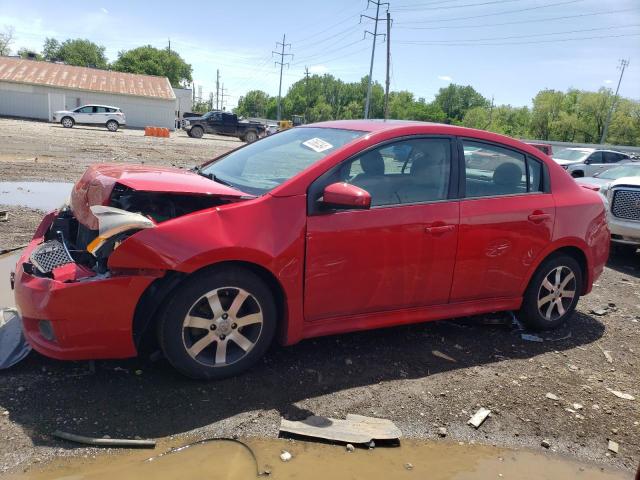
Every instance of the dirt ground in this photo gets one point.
(392, 373)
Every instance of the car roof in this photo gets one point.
(97, 105)
(371, 125)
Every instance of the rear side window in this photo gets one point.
(492, 171)
(595, 157)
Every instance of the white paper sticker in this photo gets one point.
(317, 144)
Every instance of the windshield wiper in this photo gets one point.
(212, 176)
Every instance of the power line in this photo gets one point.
(304, 59)
(518, 22)
(566, 32)
(375, 34)
(418, 7)
(473, 44)
(623, 64)
(282, 63)
(504, 12)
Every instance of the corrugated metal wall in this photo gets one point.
(33, 102)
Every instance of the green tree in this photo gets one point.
(82, 53)
(254, 103)
(547, 105)
(51, 49)
(456, 100)
(153, 61)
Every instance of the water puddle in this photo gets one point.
(7, 265)
(313, 461)
(44, 196)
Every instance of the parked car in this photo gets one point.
(321, 229)
(111, 117)
(223, 123)
(543, 147)
(585, 162)
(604, 178)
(622, 200)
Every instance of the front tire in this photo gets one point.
(67, 122)
(218, 324)
(196, 132)
(112, 126)
(552, 294)
(250, 137)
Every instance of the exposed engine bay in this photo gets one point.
(128, 211)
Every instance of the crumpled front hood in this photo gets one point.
(96, 185)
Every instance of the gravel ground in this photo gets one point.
(19, 227)
(391, 373)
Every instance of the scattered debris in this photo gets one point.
(442, 432)
(551, 396)
(619, 394)
(530, 338)
(355, 429)
(479, 417)
(372, 445)
(599, 311)
(607, 354)
(105, 441)
(4, 216)
(545, 443)
(348, 361)
(13, 345)
(350, 448)
(613, 446)
(408, 466)
(577, 406)
(438, 353)
(285, 456)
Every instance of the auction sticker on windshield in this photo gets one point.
(317, 144)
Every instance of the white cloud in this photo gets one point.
(445, 78)
(318, 69)
(104, 10)
(608, 81)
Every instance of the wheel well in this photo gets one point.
(157, 294)
(579, 256)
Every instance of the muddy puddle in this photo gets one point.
(7, 265)
(312, 461)
(44, 196)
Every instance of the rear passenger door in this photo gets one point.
(506, 219)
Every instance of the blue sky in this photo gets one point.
(508, 49)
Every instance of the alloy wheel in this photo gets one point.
(556, 293)
(222, 326)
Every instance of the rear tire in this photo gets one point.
(218, 323)
(67, 122)
(112, 126)
(196, 132)
(552, 294)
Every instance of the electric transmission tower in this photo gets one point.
(375, 35)
(623, 64)
(282, 63)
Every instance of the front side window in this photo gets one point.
(409, 171)
(261, 166)
(492, 171)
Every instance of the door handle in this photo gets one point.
(439, 229)
(537, 217)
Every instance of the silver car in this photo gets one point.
(110, 117)
(586, 162)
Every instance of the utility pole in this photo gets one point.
(490, 114)
(222, 95)
(169, 46)
(217, 89)
(623, 64)
(375, 34)
(306, 92)
(386, 87)
(282, 64)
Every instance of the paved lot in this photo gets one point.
(391, 373)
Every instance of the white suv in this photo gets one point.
(586, 162)
(111, 117)
(622, 199)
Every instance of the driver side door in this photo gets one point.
(398, 254)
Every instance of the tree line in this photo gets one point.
(80, 52)
(572, 116)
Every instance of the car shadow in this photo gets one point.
(151, 400)
(98, 128)
(626, 263)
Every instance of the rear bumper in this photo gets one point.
(77, 318)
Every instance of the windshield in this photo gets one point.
(621, 171)
(262, 166)
(571, 154)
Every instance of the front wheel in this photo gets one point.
(250, 136)
(112, 126)
(552, 294)
(67, 122)
(196, 132)
(218, 324)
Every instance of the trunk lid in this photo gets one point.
(97, 183)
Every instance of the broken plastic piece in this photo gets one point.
(113, 221)
(105, 442)
(479, 417)
(355, 429)
(13, 346)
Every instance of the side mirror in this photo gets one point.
(345, 195)
(588, 161)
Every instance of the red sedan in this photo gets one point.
(323, 229)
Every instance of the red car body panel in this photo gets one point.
(350, 270)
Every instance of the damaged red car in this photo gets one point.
(322, 229)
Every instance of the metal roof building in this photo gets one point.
(33, 89)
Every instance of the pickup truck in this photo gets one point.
(223, 123)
